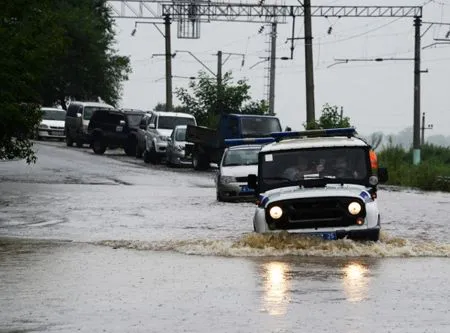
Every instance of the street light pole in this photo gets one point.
(417, 71)
(273, 55)
(309, 69)
(169, 105)
(219, 82)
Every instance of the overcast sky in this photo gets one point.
(376, 96)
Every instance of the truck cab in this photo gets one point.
(206, 145)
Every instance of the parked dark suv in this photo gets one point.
(113, 129)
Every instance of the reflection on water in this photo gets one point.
(276, 287)
(356, 281)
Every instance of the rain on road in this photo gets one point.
(108, 244)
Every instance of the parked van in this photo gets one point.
(77, 121)
(158, 131)
(52, 124)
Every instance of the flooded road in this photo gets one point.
(108, 244)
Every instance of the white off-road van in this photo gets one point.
(77, 121)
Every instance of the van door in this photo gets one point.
(72, 120)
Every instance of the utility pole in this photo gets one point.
(417, 72)
(169, 105)
(309, 69)
(423, 128)
(219, 81)
(273, 55)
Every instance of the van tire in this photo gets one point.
(146, 156)
(199, 162)
(138, 151)
(98, 146)
(130, 147)
(154, 158)
(79, 143)
(69, 141)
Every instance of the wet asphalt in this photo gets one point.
(109, 244)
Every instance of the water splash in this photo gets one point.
(286, 244)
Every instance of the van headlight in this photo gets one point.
(275, 212)
(354, 208)
(227, 179)
(43, 126)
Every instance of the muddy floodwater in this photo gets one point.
(108, 244)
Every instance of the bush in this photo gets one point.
(433, 173)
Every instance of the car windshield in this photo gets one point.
(259, 126)
(180, 135)
(235, 157)
(334, 165)
(89, 111)
(170, 122)
(54, 115)
(134, 119)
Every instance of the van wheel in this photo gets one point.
(130, 147)
(219, 197)
(69, 141)
(199, 162)
(154, 158)
(138, 151)
(98, 146)
(146, 156)
(79, 143)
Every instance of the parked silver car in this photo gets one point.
(236, 164)
(176, 144)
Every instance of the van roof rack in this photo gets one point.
(346, 131)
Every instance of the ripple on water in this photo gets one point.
(285, 244)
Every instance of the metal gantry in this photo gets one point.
(250, 12)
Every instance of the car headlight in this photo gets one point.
(43, 126)
(227, 179)
(354, 208)
(275, 212)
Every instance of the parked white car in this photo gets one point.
(175, 153)
(159, 129)
(324, 185)
(52, 124)
(236, 164)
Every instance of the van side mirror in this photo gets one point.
(151, 126)
(252, 181)
(383, 175)
(122, 123)
(78, 115)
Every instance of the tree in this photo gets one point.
(30, 35)
(330, 118)
(207, 100)
(177, 108)
(52, 50)
(88, 66)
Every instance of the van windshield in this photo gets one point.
(134, 119)
(54, 115)
(234, 157)
(259, 126)
(169, 122)
(89, 111)
(337, 164)
(180, 135)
